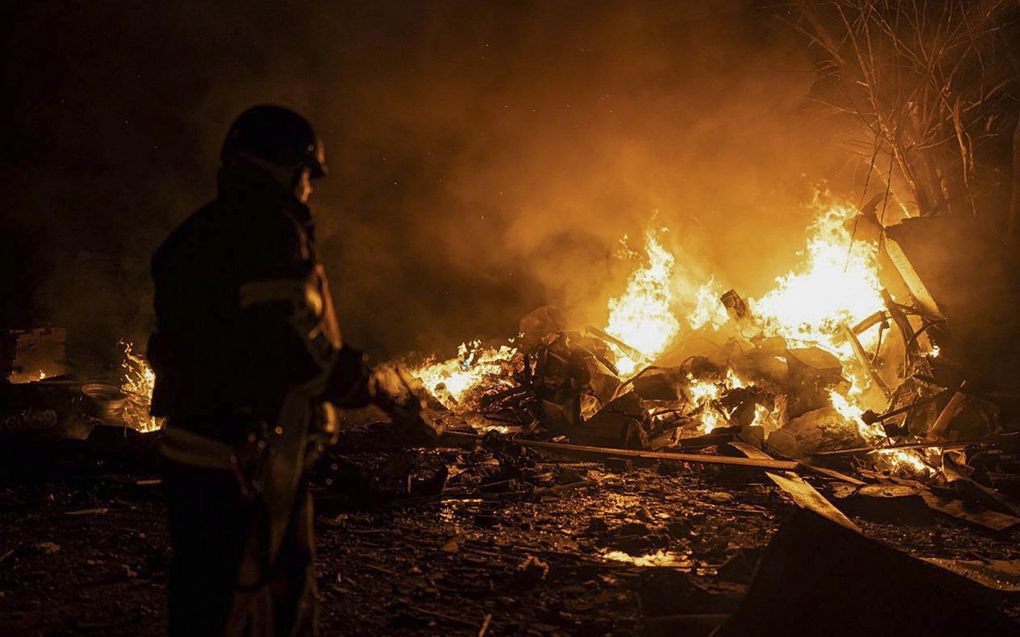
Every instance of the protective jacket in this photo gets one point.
(244, 313)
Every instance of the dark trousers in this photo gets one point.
(217, 535)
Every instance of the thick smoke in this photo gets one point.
(485, 157)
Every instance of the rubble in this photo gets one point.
(813, 432)
(817, 577)
(863, 384)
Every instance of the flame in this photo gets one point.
(762, 418)
(137, 382)
(708, 310)
(849, 411)
(910, 462)
(836, 284)
(642, 316)
(452, 380)
(705, 392)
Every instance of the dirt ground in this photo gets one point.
(606, 549)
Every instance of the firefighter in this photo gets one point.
(250, 367)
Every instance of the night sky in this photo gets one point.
(485, 158)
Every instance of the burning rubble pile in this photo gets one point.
(836, 363)
(837, 370)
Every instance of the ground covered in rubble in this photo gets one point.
(607, 548)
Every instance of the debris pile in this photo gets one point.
(849, 362)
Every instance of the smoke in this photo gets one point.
(485, 158)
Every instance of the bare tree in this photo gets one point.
(924, 79)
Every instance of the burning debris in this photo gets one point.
(61, 406)
(829, 371)
(137, 385)
(827, 362)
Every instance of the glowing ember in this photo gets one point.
(452, 380)
(642, 316)
(658, 558)
(137, 382)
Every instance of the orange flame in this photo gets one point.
(138, 381)
(452, 380)
(836, 284)
(642, 316)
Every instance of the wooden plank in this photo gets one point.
(754, 463)
(563, 447)
(951, 410)
(805, 495)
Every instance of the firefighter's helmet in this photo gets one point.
(277, 135)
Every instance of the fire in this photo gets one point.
(705, 393)
(837, 284)
(137, 382)
(851, 413)
(708, 310)
(452, 380)
(642, 316)
(908, 462)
